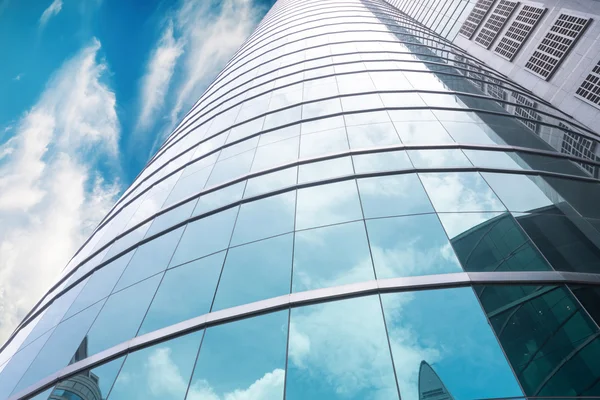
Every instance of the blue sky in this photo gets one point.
(88, 89)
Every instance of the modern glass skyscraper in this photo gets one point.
(355, 209)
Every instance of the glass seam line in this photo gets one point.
(425, 282)
(443, 93)
(31, 315)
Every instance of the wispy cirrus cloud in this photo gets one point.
(159, 71)
(52, 10)
(51, 193)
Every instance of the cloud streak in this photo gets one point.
(52, 11)
(50, 196)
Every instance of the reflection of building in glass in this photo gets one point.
(431, 386)
(354, 194)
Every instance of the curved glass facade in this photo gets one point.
(354, 209)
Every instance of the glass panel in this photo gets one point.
(410, 246)
(256, 271)
(100, 284)
(322, 143)
(461, 191)
(18, 364)
(569, 243)
(265, 218)
(128, 307)
(242, 360)
(150, 258)
(520, 192)
(185, 292)
(373, 135)
(61, 347)
(438, 158)
(547, 337)
(219, 198)
(386, 161)
(331, 256)
(339, 350)
(393, 195)
(230, 168)
(272, 155)
(270, 182)
(489, 242)
(495, 159)
(322, 170)
(322, 124)
(434, 362)
(93, 384)
(422, 132)
(327, 204)
(205, 236)
(171, 218)
(158, 372)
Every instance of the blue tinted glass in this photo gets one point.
(158, 372)
(373, 135)
(426, 352)
(327, 204)
(242, 359)
(205, 236)
(255, 271)
(185, 292)
(18, 364)
(273, 181)
(60, 347)
(171, 218)
(331, 256)
(410, 246)
(521, 192)
(219, 198)
(318, 171)
(460, 191)
(422, 132)
(150, 258)
(230, 168)
(438, 158)
(100, 285)
(321, 143)
(264, 218)
(128, 307)
(385, 161)
(393, 195)
(339, 350)
(272, 155)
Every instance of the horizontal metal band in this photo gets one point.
(374, 287)
(35, 312)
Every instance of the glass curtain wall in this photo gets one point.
(354, 209)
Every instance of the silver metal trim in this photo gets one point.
(426, 282)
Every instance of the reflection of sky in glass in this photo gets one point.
(339, 350)
(448, 329)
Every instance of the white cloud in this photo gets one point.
(18, 77)
(155, 82)
(52, 10)
(49, 197)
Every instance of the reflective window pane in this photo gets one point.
(242, 359)
(372, 135)
(270, 182)
(185, 292)
(438, 158)
(129, 307)
(385, 161)
(150, 258)
(393, 195)
(422, 132)
(318, 171)
(158, 372)
(410, 246)
(519, 192)
(331, 256)
(339, 350)
(265, 218)
(205, 236)
(327, 204)
(255, 271)
(429, 357)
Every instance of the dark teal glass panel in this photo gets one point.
(339, 350)
(185, 292)
(264, 218)
(490, 242)
(60, 347)
(331, 256)
(100, 284)
(127, 307)
(393, 195)
(589, 297)
(255, 271)
(410, 246)
(205, 236)
(158, 372)
(569, 243)
(150, 258)
(548, 338)
(466, 357)
(327, 204)
(242, 359)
